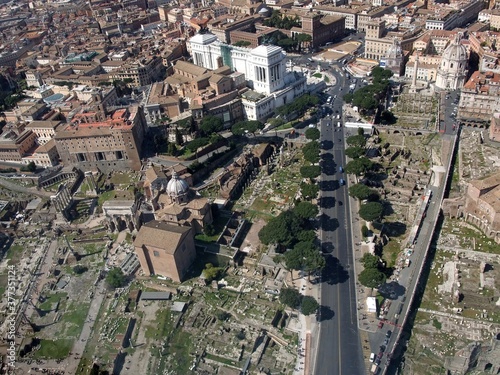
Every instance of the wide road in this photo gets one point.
(339, 347)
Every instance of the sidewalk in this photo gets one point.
(308, 325)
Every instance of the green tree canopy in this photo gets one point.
(115, 278)
(306, 236)
(362, 192)
(281, 230)
(290, 297)
(196, 143)
(309, 191)
(371, 211)
(356, 140)
(358, 166)
(306, 256)
(242, 43)
(310, 171)
(355, 152)
(313, 134)
(211, 124)
(306, 210)
(311, 152)
(243, 127)
(371, 278)
(370, 261)
(309, 305)
(348, 97)
(211, 273)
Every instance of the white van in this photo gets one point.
(372, 357)
(339, 124)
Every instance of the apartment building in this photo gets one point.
(484, 46)
(95, 141)
(350, 15)
(448, 18)
(378, 39)
(44, 130)
(480, 97)
(14, 146)
(141, 72)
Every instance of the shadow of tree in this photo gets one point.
(324, 313)
(334, 272)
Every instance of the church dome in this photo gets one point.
(177, 186)
(455, 51)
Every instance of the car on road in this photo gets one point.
(341, 170)
(382, 349)
(388, 334)
(341, 182)
(372, 357)
(329, 100)
(386, 341)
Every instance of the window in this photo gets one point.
(156, 253)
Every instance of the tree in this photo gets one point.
(306, 235)
(78, 269)
(356, 140)
(313, 134)
(309, 191)
(311, 152)
(388, 118)
(211, 124)
(196, 143)
(306, 210)
(358, 166)
(281, 230)
(348, 97)
(370, 261)
(242, 43)
(371, 211)
(310, 171)
(179, 140)
(355, 152)
(290, 297)
(305, 256)
(361, 191)
(243, 127)
(115, 278)
(31, 167)
(309, 305)
(371, 277)
(361, 131)
(209, 230)
(223, 315)
(211, 273)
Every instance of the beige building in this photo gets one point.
(45, 155)
(14, 146)
(482, 205)
(165, 249)
(44, 130)
(480, 97)
(94, 141)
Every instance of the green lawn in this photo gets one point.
(52, 299)
(106, 196)
(14, 253)
(54, 349)
(74, 317)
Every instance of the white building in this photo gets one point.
(264, 69)
(453, 68)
